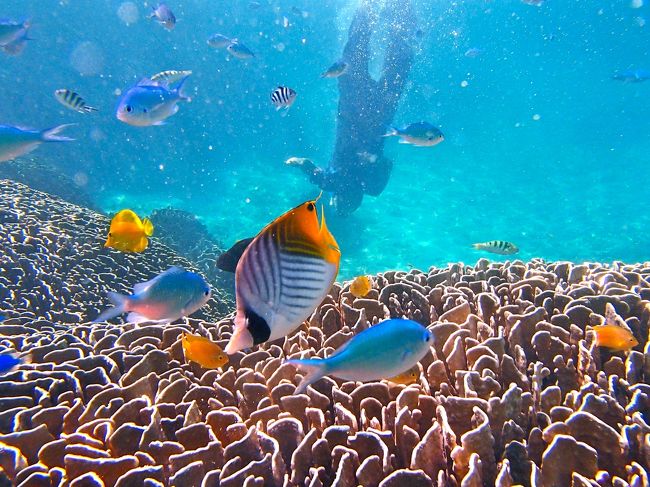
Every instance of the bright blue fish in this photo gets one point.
(150, 103)
(167, 297)
(15, 141)
(8, 362)
(379, 352)
(422, 134)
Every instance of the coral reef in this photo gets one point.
(54, 265)
(514, 392)
(47, 178)
(188, 236)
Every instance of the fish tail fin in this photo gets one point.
(178, 88)
(52, 134)
(315, 368)
(89, 109)
(148, 227)
(391, 132)
(120, 303)
(476, 246)
(241, 338)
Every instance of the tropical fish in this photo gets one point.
(167, 297)
(204, 352)
(360, 286)
(150, 103)
(219, 41)
(632, 76)
(422, 134)
(283, 97)
(384, 350)
(8, 362)
(11, 30)
(614, 333)
(163, 14)
(239, 50)
(534, 3)
(497, 247)
(128, 233)
(229, 259)
(16, 141)
(411, 376)
(170, 76)
(473, 52)
(283, 274)
(73, 101)
(17, 45)
(254, 5)
(335, 70)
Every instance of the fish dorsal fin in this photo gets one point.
(229, 259)
(148, 82)
(173, 270)
(142, 287)
(127, 216)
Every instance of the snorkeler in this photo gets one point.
(366, 108)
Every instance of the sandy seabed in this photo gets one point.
(514, 390)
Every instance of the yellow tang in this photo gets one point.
(128, 233)
(204, 352)
(411, 376)
(361, 286)
(282, 276)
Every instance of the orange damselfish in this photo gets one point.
(204, 352)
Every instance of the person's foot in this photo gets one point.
(307, 165)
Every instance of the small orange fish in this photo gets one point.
(128, 233)
(411, 376)
(615, 337)
(204, 352)
(361, 286)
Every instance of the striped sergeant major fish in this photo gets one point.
(73, 101)
(283, 97)
(497, 247)
(282, 276)
(170, 76)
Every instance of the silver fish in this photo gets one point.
(73, 101)
(239, 50)
(497, 247)
(163, 14)
(335, 70)
(421, 134)
(219, 41)
(16, 141)
(170, 76)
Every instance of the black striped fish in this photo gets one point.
(282, 276)
(283, 97)
(497, 247)
(73, 101)
(170, 76)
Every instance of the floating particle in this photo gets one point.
(536, 117)
(280, 46)
(128, 13)
(87, 58)
(640, 21)
(464, 83)
(80, 179)
(636, 3)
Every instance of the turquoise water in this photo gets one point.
(542, 147)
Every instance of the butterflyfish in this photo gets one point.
(282, 276)
(203, 351)
(128, 233)
(385, 350)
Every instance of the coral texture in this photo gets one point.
(514, 392)
(54, 266)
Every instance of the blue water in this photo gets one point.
(542, 147)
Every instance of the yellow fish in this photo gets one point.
(411, 376)
(204, 352)
(128, 233)
(361, 286)
(615, 333)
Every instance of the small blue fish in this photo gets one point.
(8, 362)
(632, 75)
(164, 15)
(422, 134)
(220, 41)
(16, 141)
(10, 30)
(167, 297)
(337, 69)
(379, 352)
(150, 102)
(239, 50)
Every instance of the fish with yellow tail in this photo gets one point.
(360, 286)
(282, 275)
(500, 247)
(614, 333)
(385, 350)
(411, 376)
(203, 351)
(128, 233)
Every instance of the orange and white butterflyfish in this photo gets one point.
(128, 233)
(282, 276)
(204, 352)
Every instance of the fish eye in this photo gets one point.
(428, 336)
(311, 207)
(128, 108)
(110, 234)
(207, 293)
(144, 110)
